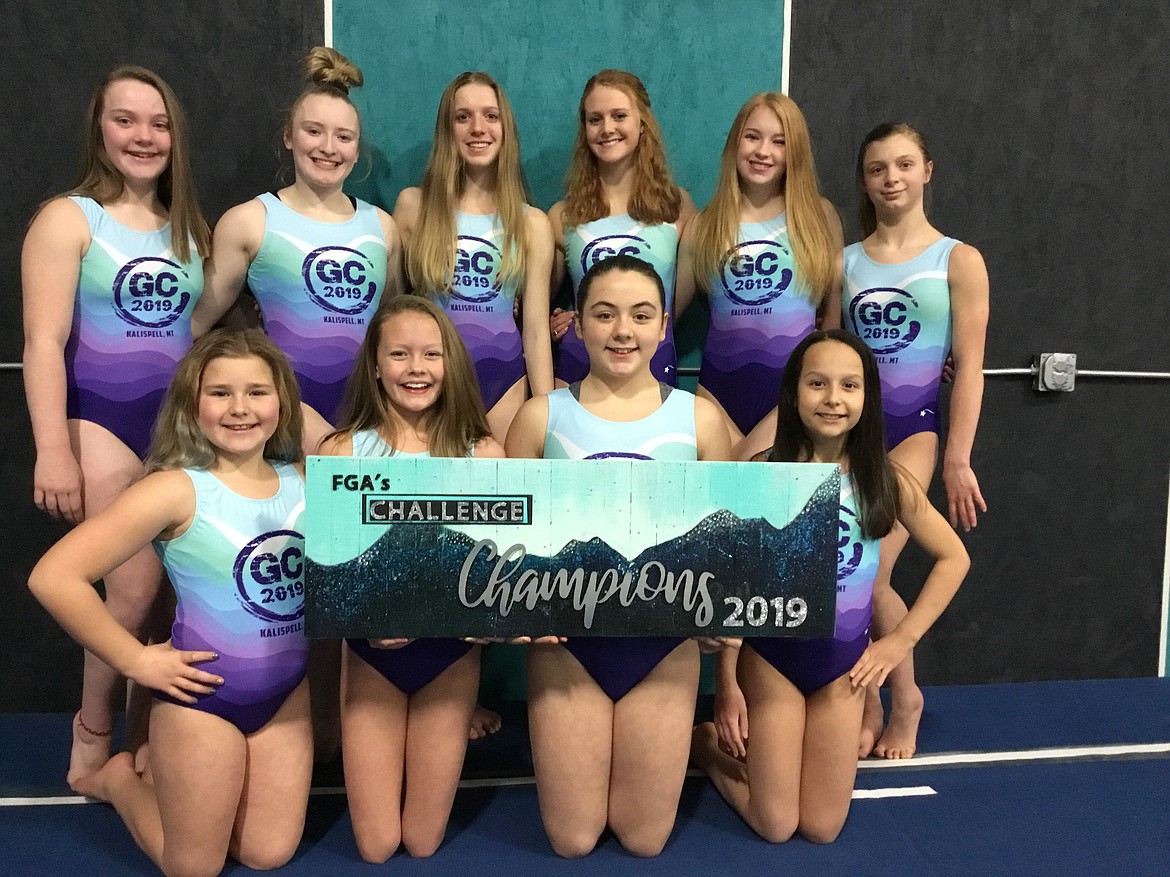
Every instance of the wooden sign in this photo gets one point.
(408, 547)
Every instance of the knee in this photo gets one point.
(422, 843)
(377, 847)
(268, 856)
(774, 826)
(644, 843)
(821, 830)
(573, 844)
(192, 867)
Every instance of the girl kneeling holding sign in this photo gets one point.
(231, 747)
(406, 705)
(609, 717)
(804, 697)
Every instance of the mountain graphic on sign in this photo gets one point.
(406, 583)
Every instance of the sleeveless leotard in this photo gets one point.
(810, 664)
(903, 312)
(238, 574)
(420, 661)
(759, 311)
(131, 325)
(481, 307)
(318, 284)
(617, 664)
(592, 242)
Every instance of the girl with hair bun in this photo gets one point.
(765, 250)
(111, 272)
(317, 260)
(619, 198)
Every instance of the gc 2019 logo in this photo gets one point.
(270, 575)
(151, 292)
(617, 455)
(600, 249)
(477, 264)
(885, 318)
(848, 559)
(751, 274)
(340, 279)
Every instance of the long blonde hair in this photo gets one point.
(458, 419)
(430, 255)
(178, 442)
(102, 182)
(717, 225)
(654, 198)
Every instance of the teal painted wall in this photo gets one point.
(699, 60)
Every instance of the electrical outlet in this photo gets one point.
(1055, 372)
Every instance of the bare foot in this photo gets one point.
(484, 722)
(99, 783)
(88, 753)
(871, 722)
(142, 764)
(900, 738)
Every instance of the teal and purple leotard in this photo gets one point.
(617, 664)
(238, 574)
(760, 310)
(318, 284)
(903, 312)
(420, 661)
(810, 664)
(593, 242)
(131, 325)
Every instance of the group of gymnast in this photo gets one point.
(429, 331)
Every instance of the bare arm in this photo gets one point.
(535, 330)
(684, 276)
(234, 245)
(686, 211)
(967, 276)
(50, 265)
(829, 313)
(930, 530)
(63, 582)
(488, 448)
(393, 255)
(714, 442)
(406, 210)
(731, 718)
(526, 435)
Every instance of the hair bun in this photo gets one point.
(328, 67)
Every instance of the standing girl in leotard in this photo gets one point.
(407, 705)
(475, 245)
(317, 260)
(913, 295)
(478, 248)
(231, 742)
(805, 697)
(111, 273)
(619, 198)
(610, 718)
(765, 250)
